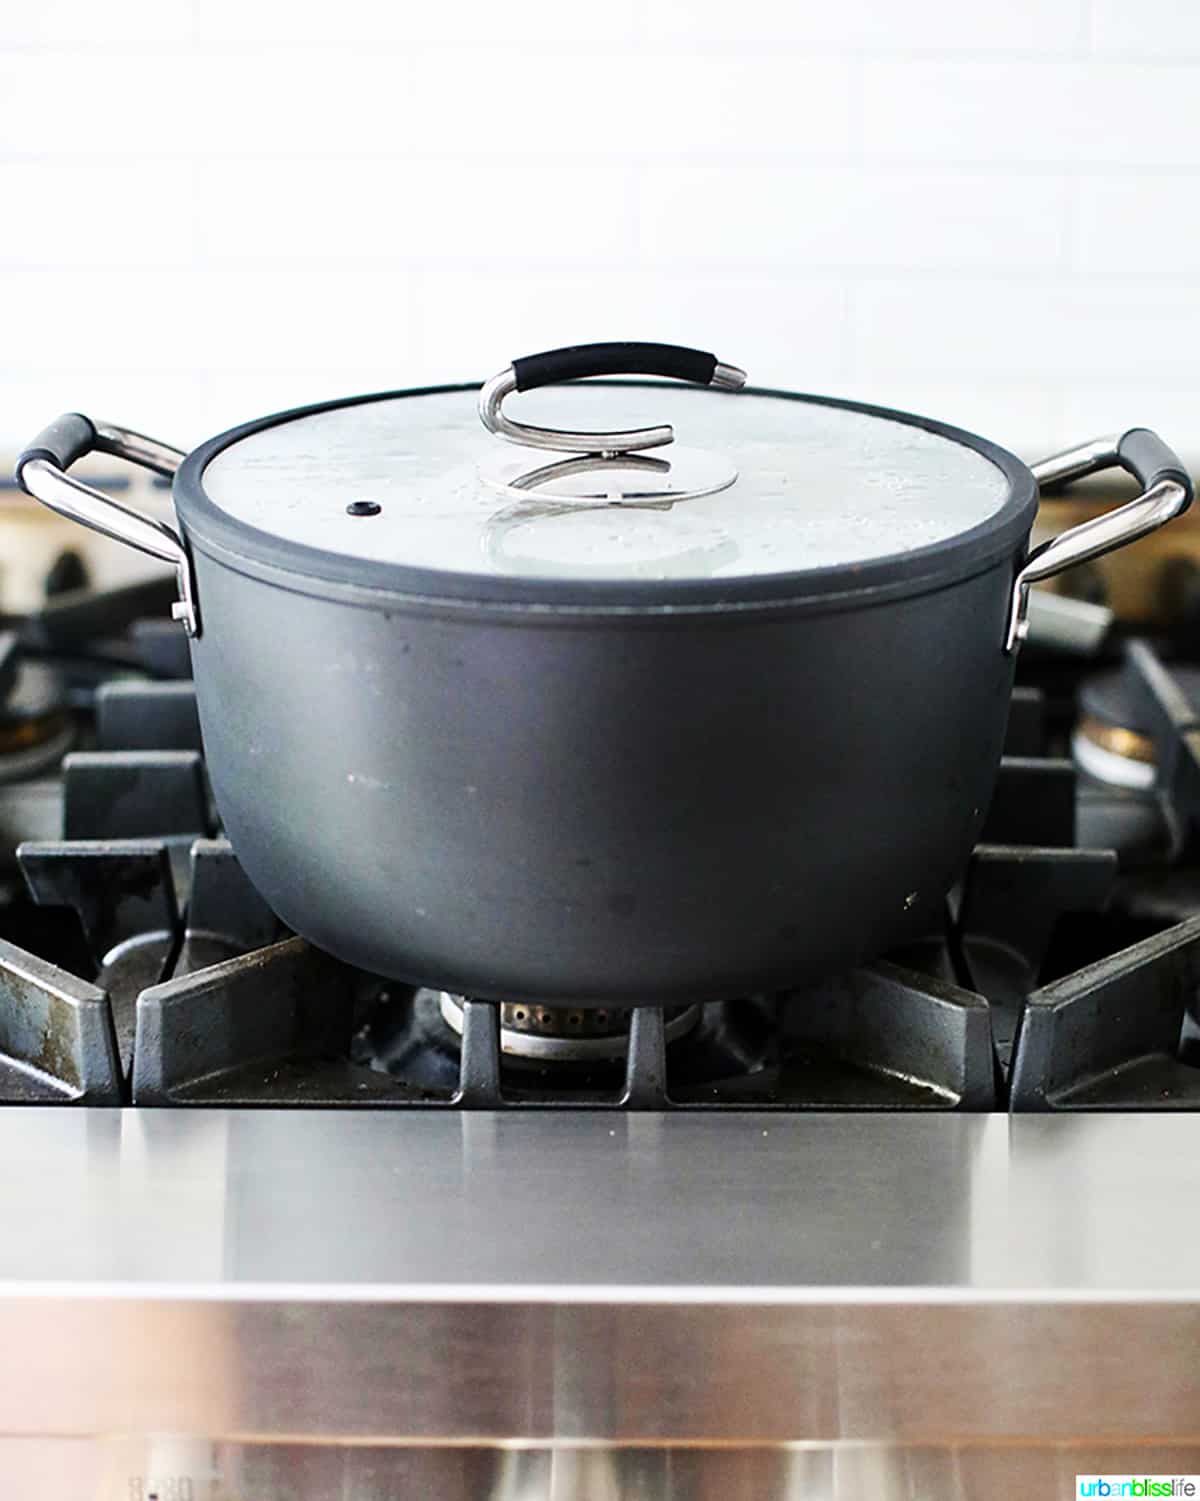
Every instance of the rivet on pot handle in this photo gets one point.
(42, 472)
(577, 362)
(1166, 493)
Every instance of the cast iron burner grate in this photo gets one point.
(152, 973)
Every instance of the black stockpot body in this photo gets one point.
(596, 790)
(607, 808)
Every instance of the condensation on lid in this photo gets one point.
(816, 486)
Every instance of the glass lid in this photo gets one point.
(725, 483)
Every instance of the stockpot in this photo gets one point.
(595, 717)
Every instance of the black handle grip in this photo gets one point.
(577, 361)
(66, 439)
(1144, 455)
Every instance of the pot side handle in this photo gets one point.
(578, 362)
(1166, 493)
(42, 472)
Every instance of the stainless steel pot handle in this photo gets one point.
(1166, 493)
(42, 472)
(577, 362)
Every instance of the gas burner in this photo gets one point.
(1114, 741)
(37, 727)
(567, 1034)
(1135, 746)
(446, 1048)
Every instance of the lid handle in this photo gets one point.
(577, 362)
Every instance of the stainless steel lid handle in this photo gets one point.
(1166, 493)
(579, 361)
(42, 472)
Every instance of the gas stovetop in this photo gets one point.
(139, 966)
(924, 1230)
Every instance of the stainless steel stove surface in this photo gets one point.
(925, 1230)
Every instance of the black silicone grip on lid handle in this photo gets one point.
(578, 361)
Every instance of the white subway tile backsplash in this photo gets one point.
(102, 318)
(984, 212)
(1168, 29)
(64, 215)
(1069, 332)
(396, 210)
(1138, 225)
(189, 320)
(308, 102)
(497, 104)
(393, 21)
(59, 23)
(1123, 332)
(929, 329)
(1137, 401)
(1040, 113)
(162, 103)
(74, 104)
(853, 218)
(522, 104)
(783, 331)
(290, 318)
(868, 25)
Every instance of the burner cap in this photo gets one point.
(1112, 741)
(568, 1034)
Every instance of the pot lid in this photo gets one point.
(726, 484)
